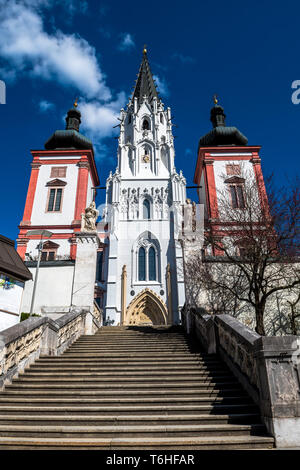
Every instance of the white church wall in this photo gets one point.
(63, 250)
(11, 292)
(54, 288)
(40, 216)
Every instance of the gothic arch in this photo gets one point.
(147, 308)
(146, 240)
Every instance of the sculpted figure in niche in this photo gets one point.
(88, 218)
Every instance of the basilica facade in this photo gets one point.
(130, 265)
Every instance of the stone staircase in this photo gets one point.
(130, 388)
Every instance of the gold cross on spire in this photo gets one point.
(76, 102)
(145, 49)
(215, 99)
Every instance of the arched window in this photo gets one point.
(161, 118)
(152, 264)
(146, 209)
(145, 125)
(142, 264)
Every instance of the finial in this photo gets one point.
(76, 103)
(215, 99)
(145, 49)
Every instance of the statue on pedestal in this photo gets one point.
(89, 217)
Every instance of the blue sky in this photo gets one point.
(51, 51)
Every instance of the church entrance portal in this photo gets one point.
(146, 308)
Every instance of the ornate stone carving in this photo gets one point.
(89, 217)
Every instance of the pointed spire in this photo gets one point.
(145, 83)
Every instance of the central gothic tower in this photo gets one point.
(144, 204)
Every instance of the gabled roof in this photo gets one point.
(56, 182)
(11, 263)
(235, 179)
(145, 83)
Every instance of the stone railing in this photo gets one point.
(267, 367)
(97, 315)
(22, 344)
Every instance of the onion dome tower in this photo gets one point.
(70, 138)
(221, 134)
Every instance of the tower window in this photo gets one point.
(146, 125)
(237, 196)
(55, 200)
(48, 255)
(142, 264)
(146, 209)
(161, 118)
(233, 169)
(49, 251)
(58, 172)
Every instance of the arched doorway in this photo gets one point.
(147, 308)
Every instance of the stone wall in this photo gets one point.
(267, 367)
(22, 344)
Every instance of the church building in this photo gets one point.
(132, 264)
(144, 203)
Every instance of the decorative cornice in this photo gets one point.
(56, 182)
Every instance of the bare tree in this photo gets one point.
(252, 251)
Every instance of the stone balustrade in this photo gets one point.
(267, 367)
(22, 344)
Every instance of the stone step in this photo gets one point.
(128, 420)
(127, 431)
(163, 443)
(118, 356)
(129, 378)
(134, 347)
(216, 409)
(211, 400)
(125, 370)
(127, 361)
(145, 351)
(132, 354)
(110, 341)
(133, 339)
(207, 392)
(128, 384)
(155, 374)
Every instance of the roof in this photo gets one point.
(70, 138)
(10, 261)
(145, 83)
(221, 134)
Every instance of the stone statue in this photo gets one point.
(88, 218)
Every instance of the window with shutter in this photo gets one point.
(58, 172)
(55, 200)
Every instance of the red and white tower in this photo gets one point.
(223, 159)
(60, 188)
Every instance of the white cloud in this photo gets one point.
(45, 105)
(161, 85)
(127, 42)
(98, 119)
(68, 59)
